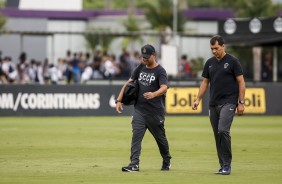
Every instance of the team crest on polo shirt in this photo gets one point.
(226, 65)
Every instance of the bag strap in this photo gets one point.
(138, 69)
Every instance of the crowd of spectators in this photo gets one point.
(74, 68)
(78, 68)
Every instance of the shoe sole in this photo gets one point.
(166, 169)
(225, 173)
(128, 170)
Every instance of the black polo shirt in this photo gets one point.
(222, 77)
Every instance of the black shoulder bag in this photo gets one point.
(130, 93)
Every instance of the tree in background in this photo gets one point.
(94, 39)
(242, 8)
(2, 21)
(113, 4)
(160, 17)
(253, 8)
(2, 17)
(205, 4)
(131, 25)
(2, 3)
(93, 4)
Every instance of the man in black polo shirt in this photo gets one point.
(227, 92)
(149, 110)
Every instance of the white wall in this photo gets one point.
(72, 5)
(60, 43)
(196, 47)
(10, 46)
(13, 44)
(109, 23)
(201, 27)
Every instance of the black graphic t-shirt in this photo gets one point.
(150, 80)
(222, 76)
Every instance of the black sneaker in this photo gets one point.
(219, 171)
(226, 170)
(130, 168)
(166, 165)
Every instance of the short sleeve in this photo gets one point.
(205, 72)
(163, 77)
(237, 68)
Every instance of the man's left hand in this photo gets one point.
(240, 109)
(149, 95)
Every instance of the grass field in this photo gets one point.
(93, 150)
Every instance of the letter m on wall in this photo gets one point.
(6, 101)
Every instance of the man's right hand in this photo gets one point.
(195, 104)
(119, 107)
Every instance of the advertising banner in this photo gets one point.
(99, 100)
(180, 100)
(255, 101)
(61, 100)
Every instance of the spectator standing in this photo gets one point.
(135, 61)
(124, 64)
(185, 67)
(62, 68)
(97, 62)
(9, 70)
(267, 68)
(39, 73)
(54, 74)
(87, 73)
(46, 73)
(32, 71)
(3, 79)
(76, 70)
(110, 68)
(23, 68)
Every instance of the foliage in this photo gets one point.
(115, 4)
(131, 25)
(2, 21)
(93, 4)
(2, 3)
(205, 4)
(242, 8)
(94, 39)
(252, 8)
(197, 64)
(245, 56)
(161, 15)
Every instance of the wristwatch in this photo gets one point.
(241, 101)
(117, 101)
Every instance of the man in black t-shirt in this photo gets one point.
(149, 109)
(227, 92)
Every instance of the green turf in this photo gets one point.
(93, 149)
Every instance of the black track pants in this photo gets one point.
(221, 118)
(155, 124)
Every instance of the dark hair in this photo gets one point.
(22, 57)
(184, 56)
(218, 39)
